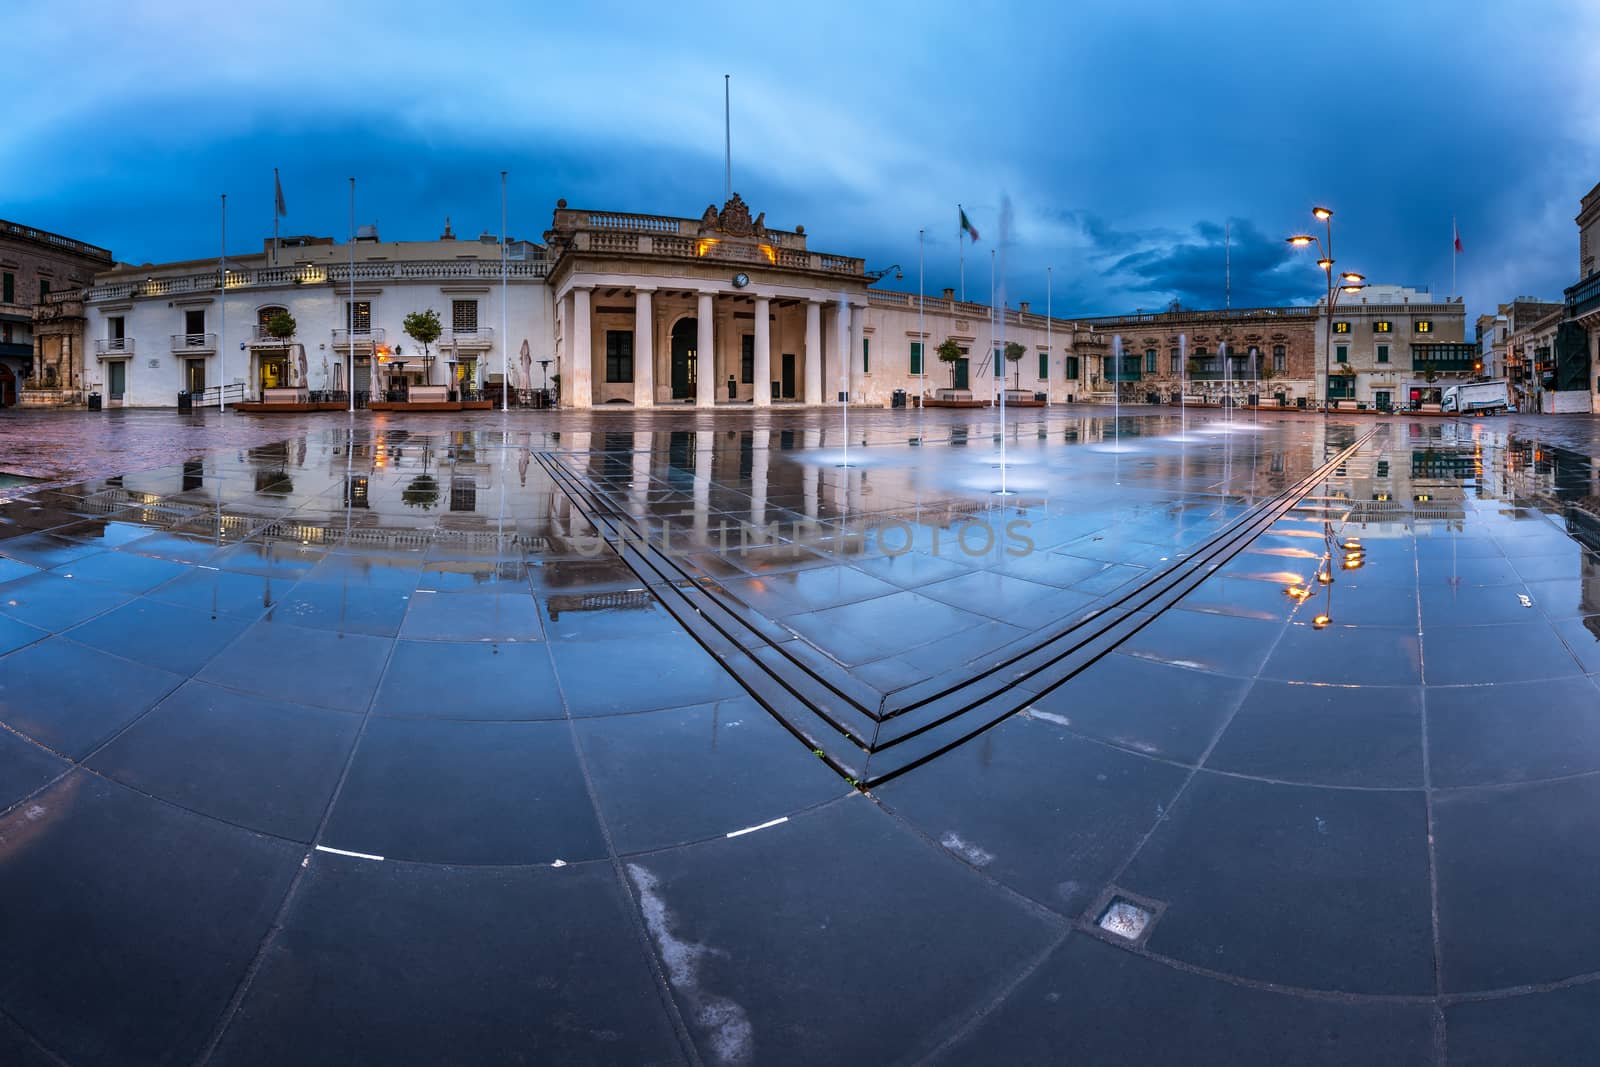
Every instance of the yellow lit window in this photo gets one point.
(1424, 325)
(1382, 326)
(1341, 327)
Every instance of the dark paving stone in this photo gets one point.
(277, 558)
(998, 596)
(466, 792)
(18, 1050)
(1494, 734)
(811, 589)
(180, 640)
(443, 680)
(1467, 571)
(72, 698)
(11, 570)
(1345, 655)
(1104, 1005)
(512, 616)
(1146, 706)
(1241, 596)
(54, 603)
(258, 763)
(224, 592)
(24, 767)
(1554, 1027)
(913, 570)
(1582, 636)
(399, 964)
(46, 549)
(667, 777)
(14, 634)
(1371, 603)
(302, 666)
(123, 570)
(124, 954)
(1563, 599)
(344, 608)
(607, 677)
(859, 633)
(1325, 735)
(764, 958)
(1516, 891)
(586, 617)
(1216, 643)
(1247, 868)
(1047, 813)
(1467, 655)
(178, 547)
(1474, 605)
(1570, 565)
(370, 570)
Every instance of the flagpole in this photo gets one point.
(222, 300)
(960, 235)
(1049, 348)
(277, 199)
(505, 341)
(727, 138)
(350, 312)
(991, 323)
(1455, 237)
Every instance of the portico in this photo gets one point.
(711, 311)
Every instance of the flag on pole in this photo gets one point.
(1457, 233)
(279, 211)
(966, 225)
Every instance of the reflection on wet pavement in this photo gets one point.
(743, 726)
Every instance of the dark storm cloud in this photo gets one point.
(1123, 134)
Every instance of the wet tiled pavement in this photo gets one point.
(720, 739)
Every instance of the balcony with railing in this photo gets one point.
(428, 270)
(112, 347)
(194, 344)
(260, 337)
(1212, 371)
(1584, 298)
(363, 337)
(480, 339)
(1444, 357)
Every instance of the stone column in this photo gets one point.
(858, 316)
(839, 382)
(705, 386)
(763, 343)
(644, 348)
(760, 455)
(579, 389)
(813, 352)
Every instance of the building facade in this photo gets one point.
(1395, 346)
(34, 264)
(637, 310)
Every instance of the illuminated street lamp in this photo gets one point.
(1346, 282)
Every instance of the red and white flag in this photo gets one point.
(1457, 233)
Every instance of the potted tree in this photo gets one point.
(424, 328)
(280, 326)
(1014, 354)
(950, 353)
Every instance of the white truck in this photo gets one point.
(1476, 397)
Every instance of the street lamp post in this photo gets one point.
(1347, 282)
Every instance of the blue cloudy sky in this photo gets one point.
(1125, 133)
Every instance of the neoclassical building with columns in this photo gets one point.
(630, 310)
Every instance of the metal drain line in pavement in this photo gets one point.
(869, 738)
